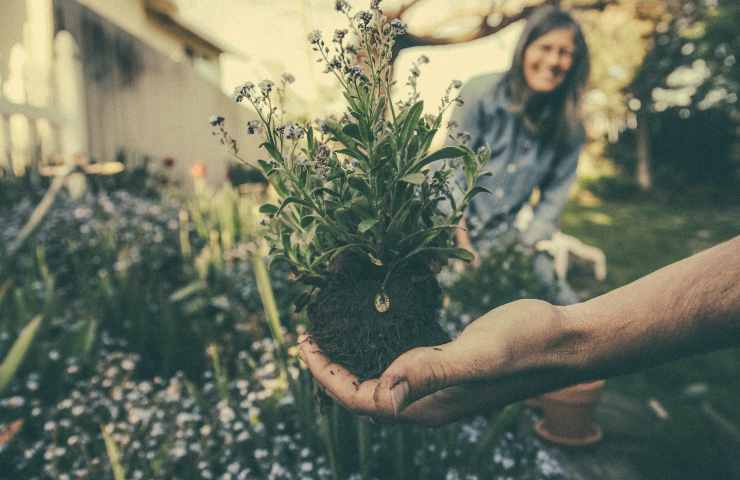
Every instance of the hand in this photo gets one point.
(499, 358)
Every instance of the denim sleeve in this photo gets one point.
(554, 196)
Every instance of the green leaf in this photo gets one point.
(268, 209)
(475, 191)
(273, 151)
(415, 178)
(114, 455)
(366, 225)
(17, 352)
(360, 185)
(351, 152)
(290, 200)
(441, 154)
(353, 130)
(266, 167)
(410, 122)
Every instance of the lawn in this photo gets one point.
(639, 235)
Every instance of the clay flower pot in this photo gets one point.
(569, 415)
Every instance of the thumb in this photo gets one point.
(415, 374)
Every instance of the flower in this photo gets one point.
(314, 37)
(398, 27)
(293, 131)
(266, 87)
(342, 6)
(253, 126)
(364, 18)
(216, 120)
(339, 35)
(198, 170)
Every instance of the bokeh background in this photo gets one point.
(141, 334)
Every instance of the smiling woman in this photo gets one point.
(529, 117)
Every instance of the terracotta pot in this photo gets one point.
(569, 415)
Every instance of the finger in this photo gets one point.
(448, 405)
(415, 374)
(339, 382)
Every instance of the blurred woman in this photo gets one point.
(529, 117)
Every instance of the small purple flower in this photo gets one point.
(339, 35)
(398, 27)
(364, 18)
(314, 37)
(341, 6)
(287, 78)
(354, 73)
(253, 126)
(266, 87)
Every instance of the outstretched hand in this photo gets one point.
(481, 369)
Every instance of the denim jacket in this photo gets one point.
(520, 162)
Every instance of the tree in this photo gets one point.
(689, 64)
(459, 22)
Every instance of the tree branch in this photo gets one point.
(483, 29)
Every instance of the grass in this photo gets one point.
(639, 235)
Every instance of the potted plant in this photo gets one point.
(365, 213)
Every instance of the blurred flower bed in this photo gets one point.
(155, 359)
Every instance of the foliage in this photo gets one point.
(167, 279)
(362, 183)
(505, 274)
(688, 153)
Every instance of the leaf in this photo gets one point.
(268, 209)
(410, 122)
(475, 191)
(351, 152)
(415, 178)
(15, 355)
(114, 455)
(266, 167)
(360, 185)
(290, 200)
(366, 225)
(353, 130)
(273, 151)
(441, 154)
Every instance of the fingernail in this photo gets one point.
(399, 392)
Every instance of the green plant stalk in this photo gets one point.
(363, 440)
(221, 377)
(4, 289)
(399, 453)
(498, 423)
(114, 456)
(268, 299)
(17, 352)
(325, 431)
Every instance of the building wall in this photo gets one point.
(142, 102)
(131, 16)
(12, 17)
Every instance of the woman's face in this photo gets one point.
(548, 59)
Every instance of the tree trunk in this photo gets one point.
(644, 169)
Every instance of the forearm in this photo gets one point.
(692, 306)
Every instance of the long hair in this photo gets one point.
(555, 115)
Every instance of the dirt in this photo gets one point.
(345, 324)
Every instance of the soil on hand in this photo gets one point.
(349, 329)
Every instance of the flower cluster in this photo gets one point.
(347, 183)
